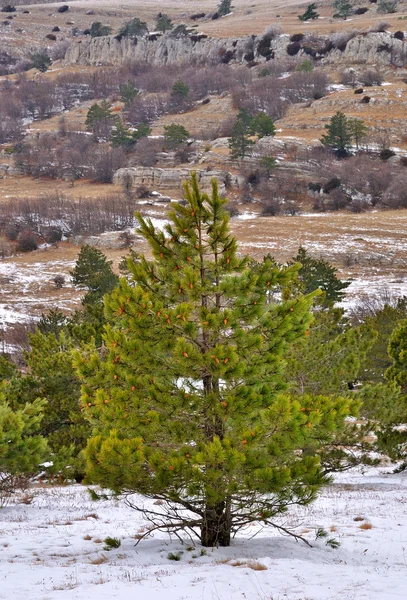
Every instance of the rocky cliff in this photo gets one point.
(162, 50)
(373, 48)
(172, 178)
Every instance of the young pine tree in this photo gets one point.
(339, 135)
(186, 399)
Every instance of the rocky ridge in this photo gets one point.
(374, 48)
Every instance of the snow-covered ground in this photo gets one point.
(53, 549)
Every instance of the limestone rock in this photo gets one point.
(169, 178)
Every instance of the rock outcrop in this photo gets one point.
(162, 179)
(162, 50)
(371, 48)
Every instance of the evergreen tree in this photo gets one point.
(338, 136)
(240, 142)
(180, 89)
(133, 28)
(358, 130)
(262, 125)
(128, 92)
(224, 7)
(384, 322)
(22, 449)
(343, 9)
(163, 23)
(93, 272)
(123, 136)
(99, 30)
(100, 119)
(310, 13)
(175, 135)
(41, 61)
(186, 400)
(316, 273)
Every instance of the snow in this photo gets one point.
(53, 549)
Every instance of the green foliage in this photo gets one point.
(240, 142)
(134, 28)
(329, 357)
(128, 92)
(358, 130)
(306, 66)
(224, 8)
(246, 126)
(22, 449)
(383, 321)
(123, 136)
(111, 543)
(163, 23)
(174, 556)
(317, 273)
(180, 89)
(387, 6)
(310, 13)
(339, 135)
(41, 60)
(343, 9)
(99, 30)
(268, 163)
(186, 401)
(94, 273)
(262, 125)
(175, 135)
(100, 119)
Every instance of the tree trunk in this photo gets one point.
(216, 528)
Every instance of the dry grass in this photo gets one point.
(365, 526)
(87, 537)
(99, 560)
(245, 564)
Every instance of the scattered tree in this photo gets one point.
(175, 135)
(343, 9)
(99, 30)
(224, 8)
(41, 61)
(338, 134)
(240, 142)
(134, 28)
(310, 13)
(128, 92)
(163, 23)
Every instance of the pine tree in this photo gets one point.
(343, 9)
(123, 136)
(41, 61)
(317, 273)
(186, 400)
(93, 272)
(128, 92)
(262, 125)
(100, 119)
(133, 28)
(22, 449)
(163, 23)
(358, 130)
(338, 135)
(240, 142)
(224, 7)
(310, 13)
(175, 135)
(99, 30)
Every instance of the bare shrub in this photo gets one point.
(340, 39)
(26, 241)
(273, 30)
(9, 485)
(396, 195)
(147, 150)
(58, 50)
(59, 281)
(371, 77)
